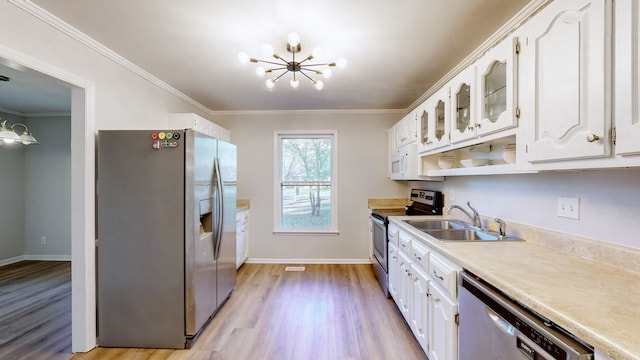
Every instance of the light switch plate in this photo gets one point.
(569, 207)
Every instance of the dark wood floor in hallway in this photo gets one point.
(35, 310)
(324, 312)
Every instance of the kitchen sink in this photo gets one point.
(426, 225)
(462, 235)
(456, 230)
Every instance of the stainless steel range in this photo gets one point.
(424, 202)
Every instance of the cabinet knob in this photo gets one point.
(592, 137)
(478, 125)
(470, 127)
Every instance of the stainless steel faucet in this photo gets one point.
(475, 218)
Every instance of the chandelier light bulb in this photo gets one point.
(293, 39)
(294, 82)
(341, 63)
(244, 58)
(260, 71)
(318, 84)
(327, 73)
(317, 52)
(270, 83)
(268, 50)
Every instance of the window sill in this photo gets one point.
(306, 232)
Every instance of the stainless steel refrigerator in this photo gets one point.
(166, 203)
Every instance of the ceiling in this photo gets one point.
(31, 94)
(396, 49)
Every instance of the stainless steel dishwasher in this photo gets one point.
(494, 327)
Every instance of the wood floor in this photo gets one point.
(35, 310)
(325, 312)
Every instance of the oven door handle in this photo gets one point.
(376, 220)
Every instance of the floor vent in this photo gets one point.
(294, 268)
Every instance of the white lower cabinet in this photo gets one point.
(420, 305)
(393, 269)
(426, 294)
(242, 219)
(404, 285)
(443, 331)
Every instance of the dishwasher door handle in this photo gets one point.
(500, 323)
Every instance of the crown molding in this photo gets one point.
(310, 112)
(83, 38)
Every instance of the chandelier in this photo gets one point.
(302, 67)
(8, 135)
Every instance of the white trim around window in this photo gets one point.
(330, 185)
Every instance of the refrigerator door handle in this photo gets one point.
(219, 207)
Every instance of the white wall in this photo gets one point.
(36, 193)
(123, 100)
(48, 189)
(609, 201)
(362, 174)
(11, 197)
(106, 95)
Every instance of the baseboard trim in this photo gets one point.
(11, 260)
(47, 257)
(306, 261)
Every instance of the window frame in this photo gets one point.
(279, 135)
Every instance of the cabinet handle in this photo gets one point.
(592, 137)
(437, 276)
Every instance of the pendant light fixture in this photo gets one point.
(295, 67)
(8, 135)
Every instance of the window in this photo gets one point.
(306, 182)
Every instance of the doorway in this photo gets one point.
(82, 190)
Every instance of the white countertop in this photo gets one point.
(598, 303)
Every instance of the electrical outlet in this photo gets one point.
(43, 240)
(569, 207)
(452, 195)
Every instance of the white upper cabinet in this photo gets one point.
(627, 77)
(566, 87)
(438, 113)
(463, 105)
(497, 82)
(200, 124)
(406, 130)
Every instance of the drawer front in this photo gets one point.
(392, 234)
(420, 254)
(445, 273)
(404, 242)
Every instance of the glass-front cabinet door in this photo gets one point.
(463, 117)
(497, 85)
(426, 134)
(438, 108)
